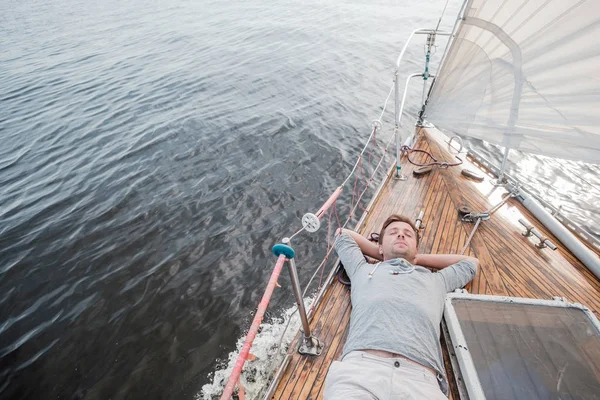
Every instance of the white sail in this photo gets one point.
(524, 74)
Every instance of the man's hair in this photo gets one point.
(397, 218)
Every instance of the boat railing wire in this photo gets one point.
(358, 192)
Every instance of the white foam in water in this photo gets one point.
(257, 374)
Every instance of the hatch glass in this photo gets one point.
(513, 349)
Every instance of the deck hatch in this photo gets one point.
(515, 348)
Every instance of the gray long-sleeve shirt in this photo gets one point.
(397, 310)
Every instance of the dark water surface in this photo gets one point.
(153, 152)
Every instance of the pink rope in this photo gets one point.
(260, 313)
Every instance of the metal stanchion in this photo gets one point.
(309, 344)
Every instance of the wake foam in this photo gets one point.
(257, 374)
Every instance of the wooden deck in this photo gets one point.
(510, 264)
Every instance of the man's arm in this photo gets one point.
(367, 247)
(349, 252)
(458, 274)
(440, 261)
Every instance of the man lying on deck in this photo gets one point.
(393, 347)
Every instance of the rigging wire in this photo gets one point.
(370, 137)
(297, 232)
(441, 16)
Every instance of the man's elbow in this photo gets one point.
(475, 262)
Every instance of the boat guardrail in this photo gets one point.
(399, 104)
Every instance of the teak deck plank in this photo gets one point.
(510, 264)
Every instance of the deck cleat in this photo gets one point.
(473, 217)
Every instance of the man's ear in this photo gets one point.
(380, 250)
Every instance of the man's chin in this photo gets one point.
(400, 249)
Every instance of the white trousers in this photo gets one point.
(364, 376)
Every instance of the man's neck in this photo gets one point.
(401, 257)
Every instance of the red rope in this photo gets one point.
(374, 141)
(327, 251)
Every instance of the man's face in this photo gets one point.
(399, 241)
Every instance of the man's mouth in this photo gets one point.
(401, 242)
